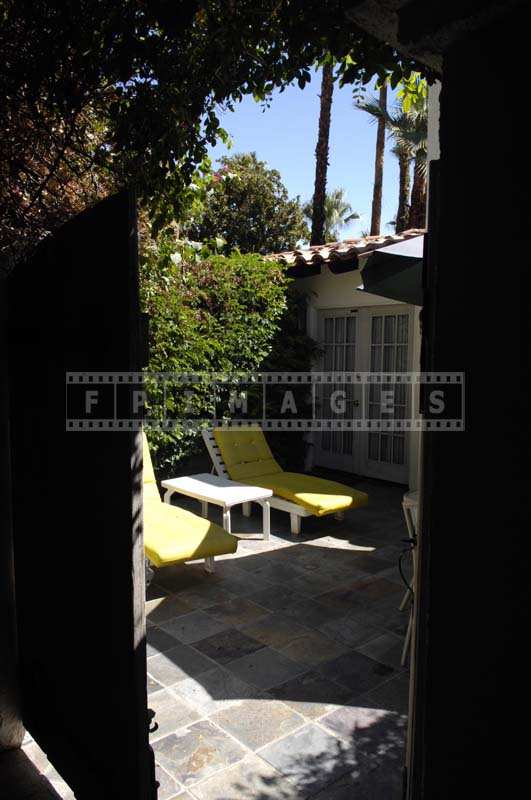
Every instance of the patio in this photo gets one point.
(279, 676)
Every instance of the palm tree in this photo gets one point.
(409, 129)
(321, 156)
(403, 156)
(338, 213)
(376, 215)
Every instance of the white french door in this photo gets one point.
(336, 449)
(385, 453)
(376, 339)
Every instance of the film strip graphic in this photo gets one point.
(274, 401)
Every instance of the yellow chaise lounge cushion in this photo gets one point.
(172, 534)
(317, 495)
(248, 458)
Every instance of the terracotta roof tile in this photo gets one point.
(338, 256)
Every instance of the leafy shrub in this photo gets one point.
(216, 314)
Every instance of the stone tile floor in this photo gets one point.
(278, 677)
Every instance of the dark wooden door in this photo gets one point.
(76, 501)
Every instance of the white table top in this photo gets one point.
(217, 490)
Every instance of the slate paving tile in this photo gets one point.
(251, 563)
(387, 649)
(312, 585)
(168, 786)
(351, 631)
(389, 617)
(250, 779)
(311, 694)
(170, 713)
(193, 627)
(193, 753)
(255, 723)
(265, 668)
(178, 663)
(213, 690)
(369, 781)
(312, 647)
(276, 598)
(371, 564)
(153, 685)
(310, 758)
(247, 585)
(155, 592)
(202, 597)
(228, 569)
(157, 641)
(311, 613)
(389, 552)
(344, 599)
(276, 630)
(375, 588)
(228, 645)
(356, 671)
(391, 696)
(370, 729)
(237, 612)
(393, 574)
(164, 608)
(178, 578)
(277, 573)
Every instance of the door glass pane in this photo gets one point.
(374, 412)
(376, 330)
(340, 329)
(347, 443)
(401, 358)
(400, 394)
(389, 358)
(351, 329)
(385, 447)
(389, 354)
(402, 329)
(398, 449)
(374, 446)
(350, 364)
(338, 358)
(329, 358)
(389, 331)
(376, 359)
(329, 329)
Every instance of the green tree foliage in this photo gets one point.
(128, 93)
(407, 125)
(249, 207)
(211, 314)
(292, 350)
(338, 213)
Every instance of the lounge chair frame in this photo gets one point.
(295, 511)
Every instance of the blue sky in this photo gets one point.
(284, 135)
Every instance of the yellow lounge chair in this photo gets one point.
(244, 455)
(172, 535)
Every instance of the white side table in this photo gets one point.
(222, 492)
(410, 503)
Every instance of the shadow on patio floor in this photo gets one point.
(279, 676)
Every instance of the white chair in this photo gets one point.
(295, 511)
